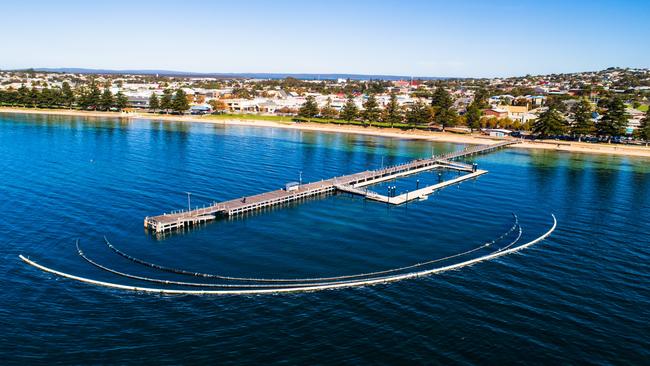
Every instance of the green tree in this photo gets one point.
(180, 103)
(91, 97)
(445, 115)
(419, 114)
(43, 98)
(392, 113)
(154, 103)
(106, 101)
(371, 109)
(441, 98)
(166, 100)
(23, 97)
(34, 96)
(67, 95)
(121, 101)
(480, 98)
(309, 108)
(350, 110)
(614, 119)
(328, 111)
(549, 123)
(47, 98)
(473, 116)
(583, 124)
(557, 102)
(644, 129)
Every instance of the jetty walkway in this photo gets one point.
(348, 183)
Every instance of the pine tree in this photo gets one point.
(45, 98)
(90, 96)
(614, 120)
(154, 104)
(34, 96)
(180, 103)
(582, 122)
(419, 114)
(441, 98)
(445, 115)
(20, 97)
(93, 96)
(350, 110)
(67, 95)
(328, 111)
(106, 101)
(480, 98)
(392, 112)
(121, 101)
(309, 109)
(473, 116)
(644, 129)
(23, 96)
(166, 100)
(371, 109)
(550, 123)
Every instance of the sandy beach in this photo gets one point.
(577, 147)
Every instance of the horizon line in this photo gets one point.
(313, 75)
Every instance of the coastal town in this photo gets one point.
(609, 105)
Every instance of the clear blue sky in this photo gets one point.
(419, 38)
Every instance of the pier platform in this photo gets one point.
(408, 196)
(184, 219)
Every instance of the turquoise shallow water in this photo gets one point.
(581, 296)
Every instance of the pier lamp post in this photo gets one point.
(189, 205)
(300, 181)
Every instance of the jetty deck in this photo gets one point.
(409, 195)
(179, 220)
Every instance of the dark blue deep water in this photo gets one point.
(582, 296)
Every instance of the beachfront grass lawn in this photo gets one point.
(257, 117)
(292, 119)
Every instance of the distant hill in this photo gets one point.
(254, 75)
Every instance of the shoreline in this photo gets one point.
(563, 146)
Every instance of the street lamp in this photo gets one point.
(189, 205)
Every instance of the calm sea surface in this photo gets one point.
(582, 296)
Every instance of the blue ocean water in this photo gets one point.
(582, 296)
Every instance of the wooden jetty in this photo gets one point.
(184, 219)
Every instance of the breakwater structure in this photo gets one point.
(352, 183)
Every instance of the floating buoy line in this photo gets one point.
(296, 285)
(317, 279)
(339, 279)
